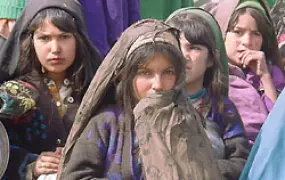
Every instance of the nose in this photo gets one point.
(246, 40)
(55, 47)
(157, 84)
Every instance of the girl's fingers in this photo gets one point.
(47, 171)
(49, 166)
(50, 154)
(51, 159)
(248, 59)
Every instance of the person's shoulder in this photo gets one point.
(229, 106)
(276, 71)
(19, 87)
(278, 78)
(18, 97)
(107, 115)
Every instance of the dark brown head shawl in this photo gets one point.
(166, 124)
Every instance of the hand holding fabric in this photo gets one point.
(47, 163)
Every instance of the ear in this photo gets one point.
(217, 54)
(210, 61)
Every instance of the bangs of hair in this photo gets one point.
(195, 29)
(79, 72)
(146, 52)
(269, 43)
(58, 17)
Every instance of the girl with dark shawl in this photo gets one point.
(153, 133)
(255, 69)
(49, 63)
(207, 87)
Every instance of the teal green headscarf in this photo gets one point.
(218, 39)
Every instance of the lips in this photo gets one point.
(188, 68)
(56, 60)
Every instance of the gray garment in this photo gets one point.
(4, 149)
(213, 132)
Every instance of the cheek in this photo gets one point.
(71, 50)
(231, 43)
(41, 52)
(168, 82)
(141, 87)
(258, 43)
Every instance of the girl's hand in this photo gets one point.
(255, 60)
(47, 163)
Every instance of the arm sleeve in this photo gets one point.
(279, 83)
(17, 98)
(236, 144)
(89, 152)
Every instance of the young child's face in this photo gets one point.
(245, 36)
(158, 74)
(55, 49)
(197, 57)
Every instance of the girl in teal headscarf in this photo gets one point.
(256, 77)
(207, 87)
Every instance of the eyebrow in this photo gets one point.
(46, 33)
(143, 67)
(243, 28)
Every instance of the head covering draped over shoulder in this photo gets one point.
(182, 150)
(10, 53)
(142, 32)
(218, 40)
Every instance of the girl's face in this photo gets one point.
(197, 57)
(244, 36)
(158, 74)
(55, 49)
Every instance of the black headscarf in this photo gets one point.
(10, 52)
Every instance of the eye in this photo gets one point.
(169, 72)
(196, 47)
(65, 36)
(143, 73)
(256, 33)
(237, 32)
(44, 38)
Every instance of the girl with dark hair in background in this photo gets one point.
(50, 63)
(255, 67)
(207, 87)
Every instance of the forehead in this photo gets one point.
(47, 27)
(246, 21)
(159, 60)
